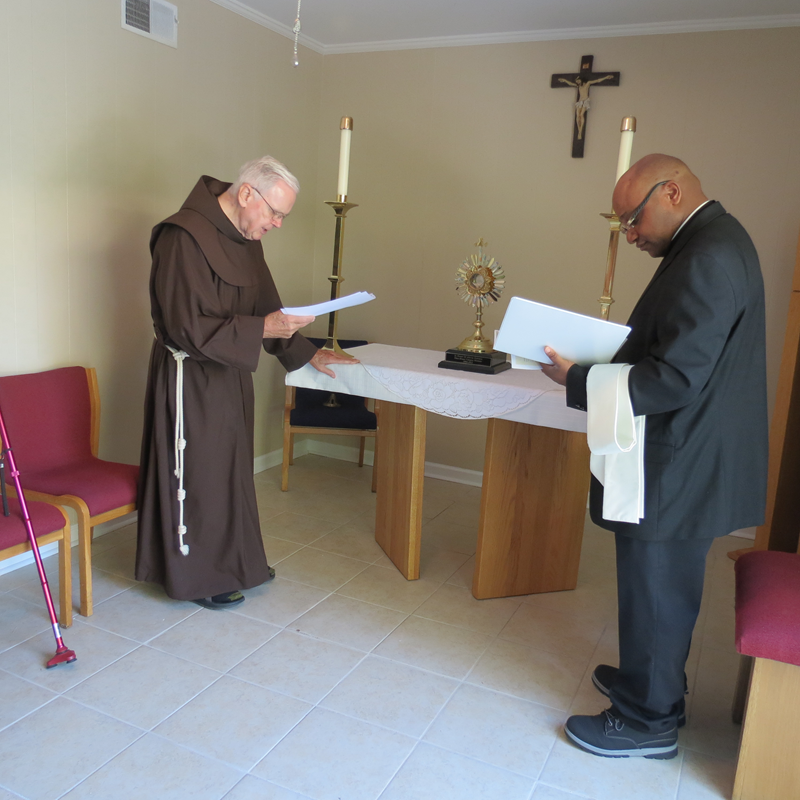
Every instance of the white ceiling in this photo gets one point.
(346, 26)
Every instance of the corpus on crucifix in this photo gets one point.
(582, 81)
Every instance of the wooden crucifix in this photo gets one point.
(582, 81)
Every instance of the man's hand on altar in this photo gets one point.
(278, 325)
(323, 357)
(557, 371)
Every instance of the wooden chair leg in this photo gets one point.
(85, 561)
(65, 578)
(740, 693)
(287, 459)
(361, 451)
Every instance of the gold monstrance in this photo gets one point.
(480, 281)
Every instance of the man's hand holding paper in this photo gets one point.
(557, 371)
(278, 325)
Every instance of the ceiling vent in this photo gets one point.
(154, 19)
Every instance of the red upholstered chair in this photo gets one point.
(50, 524)
(768, 634)
(53, 422)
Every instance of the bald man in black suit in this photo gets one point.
(697, 346)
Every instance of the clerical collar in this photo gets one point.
(702, 205)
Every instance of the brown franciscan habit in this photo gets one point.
(210, 290)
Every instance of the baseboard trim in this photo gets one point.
(341, 452)
(443, 472)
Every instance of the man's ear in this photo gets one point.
(673, 192)
(244, 194)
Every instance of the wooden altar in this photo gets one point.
(535, 478)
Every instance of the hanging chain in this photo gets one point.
(296, 31)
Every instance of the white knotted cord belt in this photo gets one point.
(180, 443)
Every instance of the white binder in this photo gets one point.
(528, 326)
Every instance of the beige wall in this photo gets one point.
(103, 133)
(452, 144)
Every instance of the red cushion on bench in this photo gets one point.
(44, 519)
(102, 485)
(768, 605)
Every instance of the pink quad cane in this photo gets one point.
(63, 654)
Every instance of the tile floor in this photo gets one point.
(340, 680)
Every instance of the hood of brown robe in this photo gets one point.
(230, 255)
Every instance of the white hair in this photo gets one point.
(264, 172)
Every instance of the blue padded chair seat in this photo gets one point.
(345, 344)
(309, 411)
(305, 412)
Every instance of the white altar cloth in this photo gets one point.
(412, 377)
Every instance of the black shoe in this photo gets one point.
(604, 676)
(608, 735)
(271, 573)
(218, 602)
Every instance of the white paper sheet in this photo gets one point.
(355, 299)
(518, 362)
(529, 326)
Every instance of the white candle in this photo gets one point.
(346, 126)
(628, 128)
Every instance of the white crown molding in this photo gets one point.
(554, 34)
(278, 27)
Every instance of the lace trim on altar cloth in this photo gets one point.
(450, 395)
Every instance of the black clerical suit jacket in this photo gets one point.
(697, 346)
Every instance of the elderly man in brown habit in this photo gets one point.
(214, 305)
(698, 377)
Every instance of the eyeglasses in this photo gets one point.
(625, 227)
(278, 216)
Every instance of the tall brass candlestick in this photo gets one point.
(627, 129)
(340, 207)
(611, 261)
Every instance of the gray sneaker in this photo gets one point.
(603, 678)
(608, 735)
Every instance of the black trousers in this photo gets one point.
(659, 589)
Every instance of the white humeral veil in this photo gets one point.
(616, 440)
